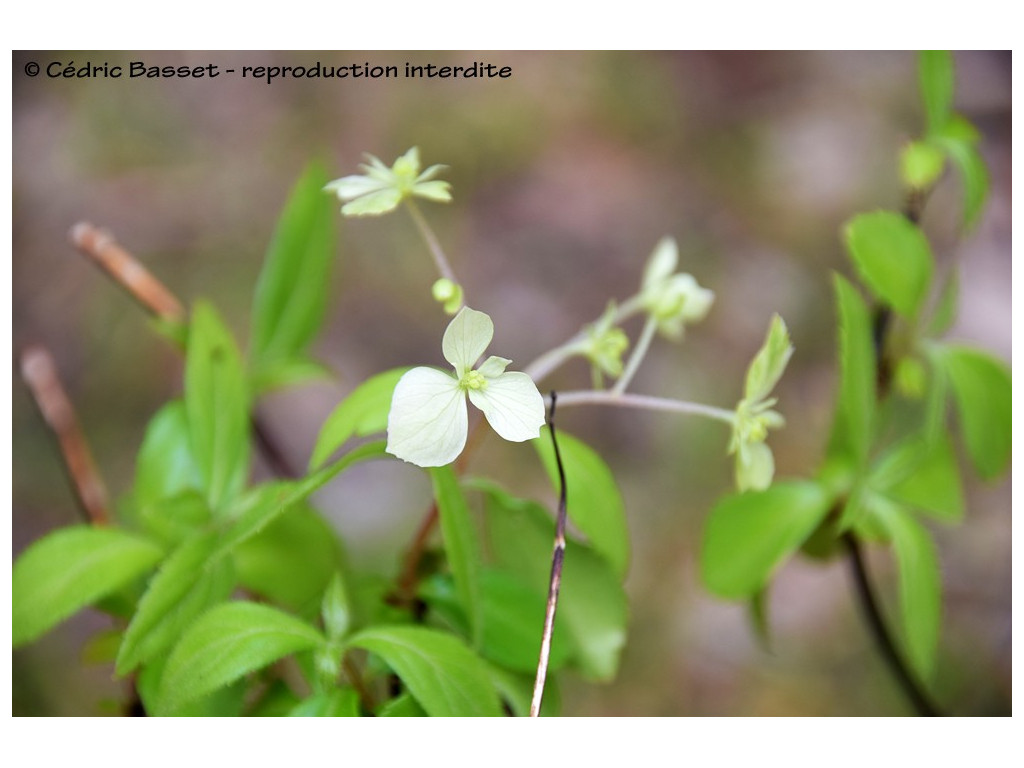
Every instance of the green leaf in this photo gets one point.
(363, 412)
(263, 504)
(513, 619)
(175, 519)
(921, 164)
(971, 164)
(920, 589)
(749, 535)
(227, 642)
(853, 425)
(188, 582)
(291, 293)
(892, 257)
(216, 402)
(593, 500)
(445, 677)
(341, 702)
(769, 363)
(461, 544)
(922, 475)
(335, 610)
(592, 609)
(982, 390)
(71, 568)
(936, 73)
(165, 466)
(401, 706)
(291, 561)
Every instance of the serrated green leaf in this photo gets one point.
(982, 390)
(749, 535)
(216, 402)
(592, 607)
(936, 74)
(227, 642)
(363, 412)
(769, 363)
(593, 501)
(853, 424)
(461, 544)
(71, 568)
(165, 466)
(188, 582)
(445, 677)
(290, 561)
(922, 475)
(341, 702)
(892, 257)
(291, 293)
(261, 505)
(920, 589)
(973, 172)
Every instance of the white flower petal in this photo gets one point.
(662, 262)
(755, 467)
(354, 186)
(512, 405)
(427, 424)
(408, 164)
(374, 203)
(493, 366)
(430, 173)
(438, 191)
(466, 338)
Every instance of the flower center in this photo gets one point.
(473, 380)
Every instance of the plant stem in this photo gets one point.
(555, 583)
(642, 345)
(553, 358)
(646, 402)
(872, 612)
(431, 240)
(39, 371)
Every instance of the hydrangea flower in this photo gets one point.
(672, 299)
(755, 465)
(428, 422)
(380, 189)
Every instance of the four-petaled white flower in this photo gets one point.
(672, 299)
(428, 422)
(380, 189)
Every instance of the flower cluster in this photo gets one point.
(380, 189)
(672, 299)
(755, 465)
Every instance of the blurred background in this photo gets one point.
(565, 175)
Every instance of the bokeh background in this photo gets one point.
(565, 176)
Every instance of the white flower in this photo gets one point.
(672, 299)
(427, 424)
(380, 189)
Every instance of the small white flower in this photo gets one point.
(427, 424)
(672, 299)
(380, 189)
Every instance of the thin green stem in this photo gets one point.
(642, 345)
(431, 240)
(569, 399)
